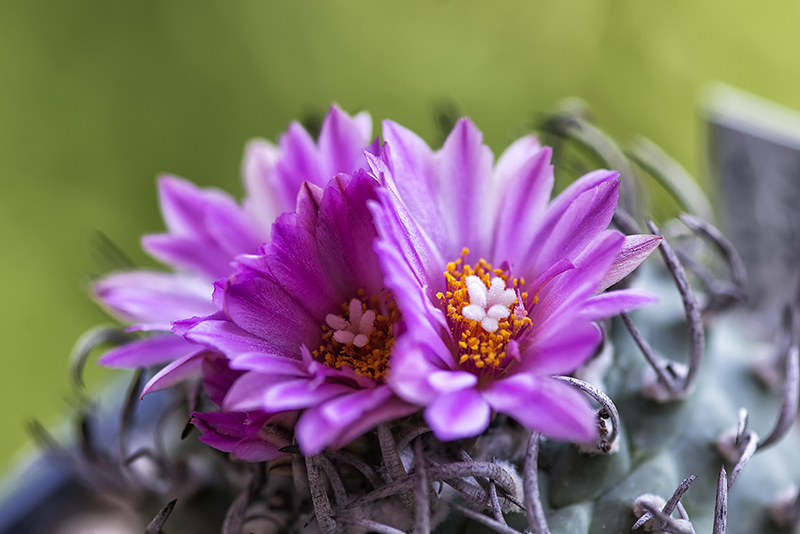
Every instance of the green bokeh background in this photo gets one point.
(97, 98)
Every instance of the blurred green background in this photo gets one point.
(97, 98)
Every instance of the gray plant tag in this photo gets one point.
(754, 161)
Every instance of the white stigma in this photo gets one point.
(356, 331)
(488, 305)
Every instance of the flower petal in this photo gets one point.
(247, 392)
(526, 184)
(185, 253)
(449, 381)
(246, 436)
(218, 377)
(374, 414)
(411, 174)
(464, 168)
(547, 405)
(155, 297)
(459, 414)
(302, 393)
(403, 248)
(177, 371)
(337, 422)
(342, 141)
(264, 309)
(562, 298)
(345, 235)
(563, 351)
(634, 251)
(146, 352)
(292, 262)
(268, 364)
(229, 339)
(299, 162)
(263, 203)
(580, 222)
(612, 303)
(206, 227)
(413, 360)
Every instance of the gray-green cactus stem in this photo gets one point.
(786, 511)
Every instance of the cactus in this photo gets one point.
(681, 398)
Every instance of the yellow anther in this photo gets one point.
(372, 359)
(477, 346)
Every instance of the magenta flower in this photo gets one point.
(310, 320)
(207, 229)
(499, 287)
(254, 436)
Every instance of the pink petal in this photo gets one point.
(247, 392)
(268, 364)
(411, 175)
(342, 141)
(339, 421)
(526, 192)
(262, 203)
(464, 167)
(154, 296)
(581, 221)
(299, 162)
(146, 352)
(457, 415)
(227, 338)
(634, 251)
(613, 303)
(299, 394)
(547, 405)
(413, 361)
(563, 351)
(178, 371)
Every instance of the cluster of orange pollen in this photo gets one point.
(371, 360)
(483, 349)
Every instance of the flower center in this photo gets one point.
(485, 309)
(361, 337)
